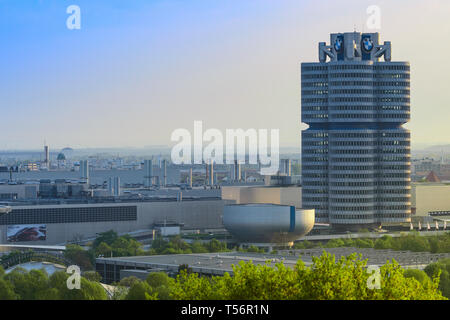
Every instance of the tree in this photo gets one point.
(364, 243)
(119, 293)
(88, 290)
(335, 243)
(157, 279)
(79, 256)
(413, 243)
(178, 244)
(325, 279)
(18, 279)
(103, 250)
(419, 275)
(141, 291)
(107, 237)
(92, 276)
(198, 247)
(441, 269)
(159, 244)
(128, 281)
(216, 246)
(7, 290)
(184, 267)
(385, 242)
(190, 286)
(161, 284)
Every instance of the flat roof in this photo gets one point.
(100, 201)
(218, 263)
(213, 263)
(41, 247)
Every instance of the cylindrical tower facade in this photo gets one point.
(355, 153)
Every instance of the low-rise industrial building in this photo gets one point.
(429, 197)
(18, 191)
(210, 264)
(68, 222)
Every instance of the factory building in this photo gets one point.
(18, 191)
(64, 222)
(430, 197)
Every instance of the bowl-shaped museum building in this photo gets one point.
(267, 223)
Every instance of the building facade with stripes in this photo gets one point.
(356, 152)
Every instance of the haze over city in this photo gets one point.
(135, 72)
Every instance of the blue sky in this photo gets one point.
(137, 70)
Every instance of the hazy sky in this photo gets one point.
(138, 69)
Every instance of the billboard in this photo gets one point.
(26, 232)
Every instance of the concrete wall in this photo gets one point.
(428, 197)
(194, 215)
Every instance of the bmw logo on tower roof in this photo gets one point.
(367, 44)
(338, 44)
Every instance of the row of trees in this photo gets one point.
(411, 241)
(21, 284)
(110, 244)
(325, 279)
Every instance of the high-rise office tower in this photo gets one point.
(355, 153)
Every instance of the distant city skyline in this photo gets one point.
(138, 70)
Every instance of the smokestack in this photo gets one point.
(165, 172)
(47, 156)
(211, 173)
(237, 171)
